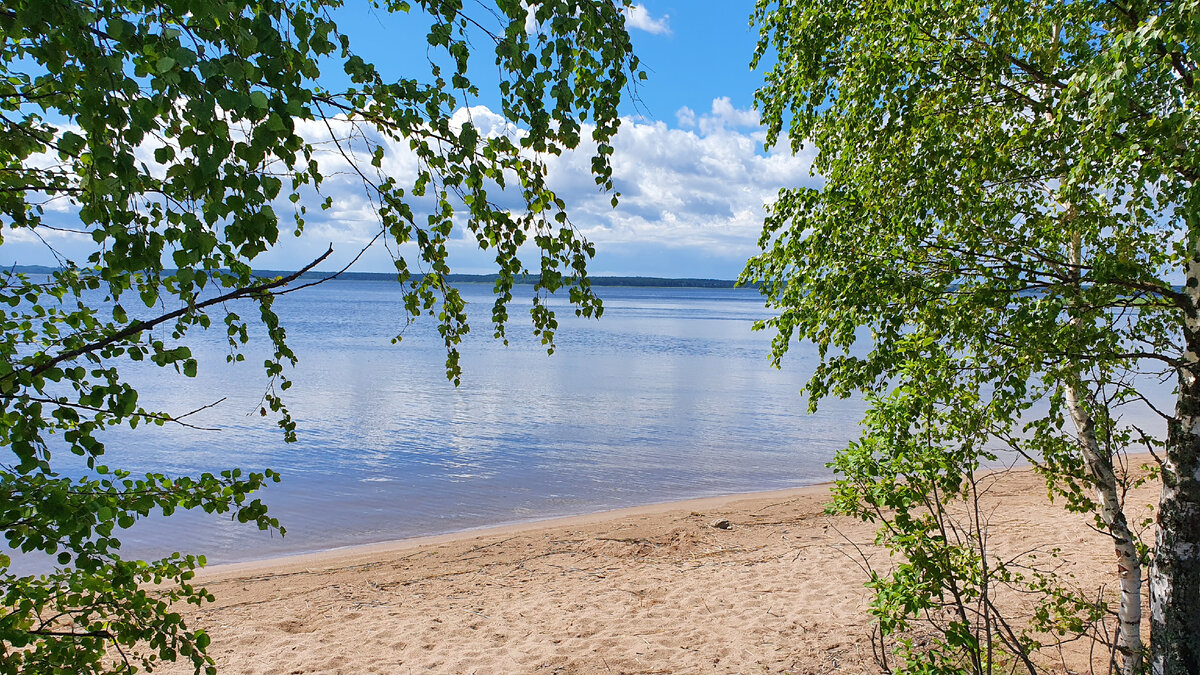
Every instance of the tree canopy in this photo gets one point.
(1005, 251)
(182, 141)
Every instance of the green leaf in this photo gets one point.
(71, 143)
(174, 130)
(992, 194)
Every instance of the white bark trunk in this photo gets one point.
(1175, 575)
(1129, 565)
(1112, 513)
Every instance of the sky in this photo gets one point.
(689, 159)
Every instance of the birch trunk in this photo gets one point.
(1129, 565)
(1175, 575)
(1112, 512)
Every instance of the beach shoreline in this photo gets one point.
(338, 555)
(779, 587)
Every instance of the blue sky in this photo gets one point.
(693, 51)
(689, 160)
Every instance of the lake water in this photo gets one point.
(669, 396)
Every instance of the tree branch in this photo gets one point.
(140, 326)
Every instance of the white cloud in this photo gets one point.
(724, 115)
(686, 117)
(695, 190)
(531, 23)
(703, 190)
(723, 109)
(485, 121)
(637, 16)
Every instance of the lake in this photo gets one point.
(669, 396)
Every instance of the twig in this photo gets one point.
(141, 326)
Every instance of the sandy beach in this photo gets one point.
(654, 589)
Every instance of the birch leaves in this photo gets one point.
(174, 138)
(1009, 198)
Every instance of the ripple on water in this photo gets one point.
(669, 396)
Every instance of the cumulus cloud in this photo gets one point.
(692, 191)
(695, 190)
(637, 16)
(531, 23)
(686, 117)
(684, 189)
(723, 115)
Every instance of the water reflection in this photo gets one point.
(668, 396)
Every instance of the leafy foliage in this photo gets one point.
(1009, 191)
(180, 137)
(950, 601)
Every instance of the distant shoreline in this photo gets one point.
(639, 282)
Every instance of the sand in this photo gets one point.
(655, 589)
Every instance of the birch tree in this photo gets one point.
(177, 138)
(1004, 254)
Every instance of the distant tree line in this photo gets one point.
(643, 282)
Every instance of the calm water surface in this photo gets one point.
(669, 396)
